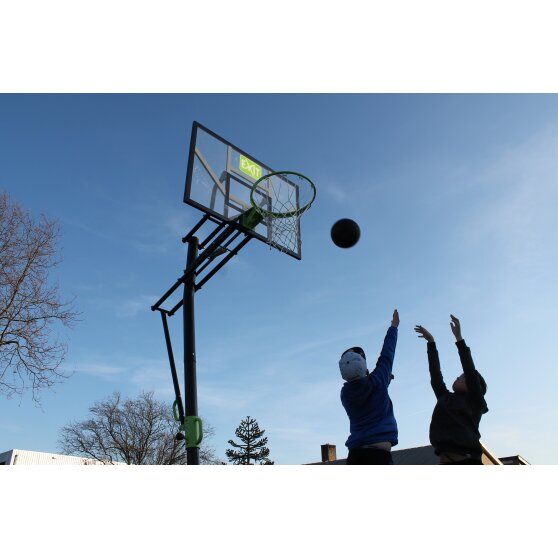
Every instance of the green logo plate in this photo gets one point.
(250, 168)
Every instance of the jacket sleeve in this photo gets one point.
(384, 365)
(471, 375)
(436, 379)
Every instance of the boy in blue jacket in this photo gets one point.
(364, 396)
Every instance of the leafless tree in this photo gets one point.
(30, 306)
(140, 431)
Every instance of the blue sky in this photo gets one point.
(455, 196)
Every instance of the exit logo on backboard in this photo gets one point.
(250, 168)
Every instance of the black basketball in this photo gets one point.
(345, 233)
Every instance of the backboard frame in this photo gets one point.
(232, 177)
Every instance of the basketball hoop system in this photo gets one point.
(279, 199)
(239, 204)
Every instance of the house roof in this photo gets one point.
(514, 460)
(422, 455)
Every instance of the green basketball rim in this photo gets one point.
(277, 215)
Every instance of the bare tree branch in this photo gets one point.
(30, 307)
(140, 431)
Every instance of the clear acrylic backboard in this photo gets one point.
(219, 181)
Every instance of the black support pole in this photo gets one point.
(192, 453)
(177, 395)
(200, 256)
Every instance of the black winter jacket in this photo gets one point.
(455, 421)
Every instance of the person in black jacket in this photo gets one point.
(454, 429)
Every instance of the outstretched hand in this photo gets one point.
(395, 319)
(424, 333)
(455, 327)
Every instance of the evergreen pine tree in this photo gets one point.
(253, 446)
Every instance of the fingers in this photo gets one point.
(421, 331)
(424, 333)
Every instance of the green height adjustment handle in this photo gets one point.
(192, 427)
(194, 431)
(175, 411)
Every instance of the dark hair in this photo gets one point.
(482, 383)
(355, 350)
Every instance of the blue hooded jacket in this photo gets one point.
(367, 402)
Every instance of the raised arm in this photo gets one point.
(436, 379)
(471, 375)
(384, 365)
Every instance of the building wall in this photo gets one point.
(25, 457)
